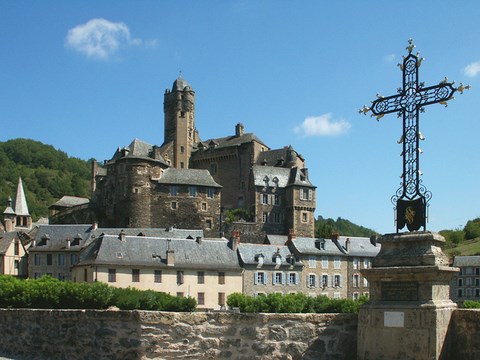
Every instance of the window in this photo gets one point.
(355, 296)
(260, 259)
(180, 277)
(304, 217)
(192, 190)
(260, 278)
(85, 275)
(49, 259)
(37, 259)
(204, 206)
(182, 165)
(264, 199)
(324, 262)
(336, 262)
(201, 298)
(365, 282)
(356, 280)
(173, 190)
(200, 277)
(221, 278)
(61, 259)
(276, 218)
(477, 271)
(221, 298)
(460, 293)
(182, 149)
(305, 194)
(292, 278)
(208, 223)
(337, 281)
(278, 278)
(242, 185)
(16, 264)
(157, 277)
(276, 200)
(324, 281)
(265, 217)
(210, 192)
(460, 282)
(16, 248)
(366, 263)
(135, 275)
(477, 282)
(278, 260)
(355, 263)
(311, 280)
(180, 293)
(73, 259)
(112, 275)
(174, 205)
(312, 262)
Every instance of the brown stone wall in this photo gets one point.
(91, 334)
(463, 335)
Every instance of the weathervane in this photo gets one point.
(411, 199)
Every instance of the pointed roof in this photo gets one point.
(9, 210)
(21, 208)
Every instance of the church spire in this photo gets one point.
(21, 208)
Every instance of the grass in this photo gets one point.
(469, 247)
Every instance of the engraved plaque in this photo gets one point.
(399, 290)
(393, 319)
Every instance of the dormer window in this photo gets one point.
(265, 181)
(259, 259)
(291, 259)
(320, 244)
(278, 260)
(275, 181)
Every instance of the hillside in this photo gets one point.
(47, 174)
(325, 227)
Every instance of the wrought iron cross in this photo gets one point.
(411, 199)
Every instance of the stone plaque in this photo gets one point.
(393, 319)
(399, 290)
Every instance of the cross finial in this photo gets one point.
(410, 46)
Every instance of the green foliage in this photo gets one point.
(472, 229)
(293, 303)
(471, 304)
(237, 214)
(47, 174)
(324, 228)
(453, 237)
(50, 293)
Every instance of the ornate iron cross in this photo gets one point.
(411, 199)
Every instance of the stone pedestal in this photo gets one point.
(409, 309)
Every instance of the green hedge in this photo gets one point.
(471, 304)
(293, 303)
(50, 293)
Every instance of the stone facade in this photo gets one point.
(90, 334)
(466, 285)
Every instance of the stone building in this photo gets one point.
(466, 284)
(16, 215)
(146, 185)
(13, 256)
(205, 269)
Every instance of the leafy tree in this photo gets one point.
(472, 229)
(324, 228)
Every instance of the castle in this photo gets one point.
(188, 182)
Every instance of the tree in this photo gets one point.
(472, 229)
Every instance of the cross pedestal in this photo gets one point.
(409, 310)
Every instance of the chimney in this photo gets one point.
(121, 236)
(373, 240)
(170, 254)
(68, 242)
(235, 240)
(291, 236)
(239, 129)
(335, 236)
(199, 240)
(347, 245)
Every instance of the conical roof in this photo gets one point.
(9, 209)
(21, 208)
(179, 84)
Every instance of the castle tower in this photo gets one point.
(179, 108)
(17, 216)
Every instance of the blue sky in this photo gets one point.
(89, 76)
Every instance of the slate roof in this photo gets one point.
(150, 251)
(249, 254)
(71, 201)
(466, 261)
(273, 157)
(359, 246)
(307, 246)
(232, 140)
(138, 149)
(6, 239)
(58, 235)
(276, 239)
(286, 176)
(196, 177)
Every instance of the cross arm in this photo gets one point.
(386, 105)
(440, 93)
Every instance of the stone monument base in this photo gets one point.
(409, 310)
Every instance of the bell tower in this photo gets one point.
(179, 109)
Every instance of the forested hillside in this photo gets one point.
(47, 174)
(325, 227)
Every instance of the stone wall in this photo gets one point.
(94, 334)
(463, 340)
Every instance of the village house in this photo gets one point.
(466, 284)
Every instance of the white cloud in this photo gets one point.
(389, 58)
(100, 38)
(472, 69)
(322, 125)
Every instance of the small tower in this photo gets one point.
(22, 216)
(9, 216)
(179, 108)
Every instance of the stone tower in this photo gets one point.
(17, 216)
(179, 108)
